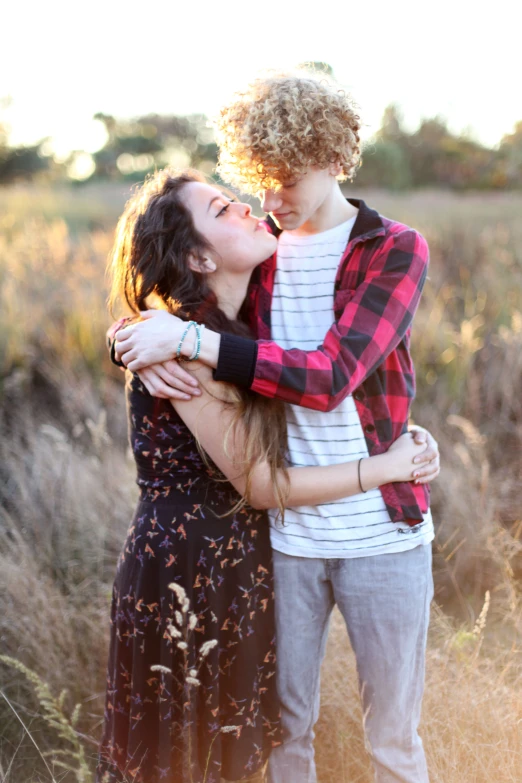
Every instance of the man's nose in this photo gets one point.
(270, 200)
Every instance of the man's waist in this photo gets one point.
(295, 539)
(349, 513)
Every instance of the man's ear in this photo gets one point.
(201, 265)
(335, 168)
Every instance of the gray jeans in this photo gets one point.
(385, 601)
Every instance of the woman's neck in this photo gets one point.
(230, 291)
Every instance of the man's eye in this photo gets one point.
(223, 210)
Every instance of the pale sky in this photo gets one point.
(62, 62)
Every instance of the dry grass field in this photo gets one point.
(67, 486)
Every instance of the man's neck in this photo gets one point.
(333, 211)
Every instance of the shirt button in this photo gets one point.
(358, 395)
(369, 429)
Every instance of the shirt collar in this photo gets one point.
(367, 223)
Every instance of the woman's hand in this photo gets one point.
(169, 381)
(152, 340)
(430, 457)
(402, 454)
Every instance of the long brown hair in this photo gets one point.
(150, 259)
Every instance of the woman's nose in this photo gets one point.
(243, 209)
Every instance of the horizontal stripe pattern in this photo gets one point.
(301, 314)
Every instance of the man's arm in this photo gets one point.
(374, 321)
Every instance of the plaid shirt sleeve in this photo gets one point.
(375, 318)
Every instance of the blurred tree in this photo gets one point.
(317, 67)
(385, 161)
(391, 125)
(135, 147)
(22, 164)
(432, 156)
(509, 169)
(425, 146)
(18, 163)
(385, 164)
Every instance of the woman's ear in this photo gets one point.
(201, 265)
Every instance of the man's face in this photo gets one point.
(296, 202)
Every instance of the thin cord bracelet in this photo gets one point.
(197, 344)
(188, 326)
(364, 491)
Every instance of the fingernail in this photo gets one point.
(186, 397)
(197, 392)
(416, 481)
(416, 460)
(416, 474)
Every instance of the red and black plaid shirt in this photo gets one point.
(366, 352)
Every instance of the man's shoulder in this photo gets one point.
(394, 228)
(376, 230)
(398, 236)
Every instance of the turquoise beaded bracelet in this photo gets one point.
(187, 328)
(197, 344)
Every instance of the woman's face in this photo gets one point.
(239, 239)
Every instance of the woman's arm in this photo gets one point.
(209, 418)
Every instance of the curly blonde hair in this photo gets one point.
(282, 124)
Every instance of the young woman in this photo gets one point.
(191, 687)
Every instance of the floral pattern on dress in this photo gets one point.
(191, 677)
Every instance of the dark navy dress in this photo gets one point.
(191, 691)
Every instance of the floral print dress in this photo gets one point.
(191, 691)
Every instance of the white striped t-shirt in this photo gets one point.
(302, 313)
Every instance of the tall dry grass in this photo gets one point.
(471, 725)
(66, 482)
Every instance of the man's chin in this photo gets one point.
(286, 222)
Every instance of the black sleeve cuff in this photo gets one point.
(236, 361)
(112, 346)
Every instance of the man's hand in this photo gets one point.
(431, 470)
(152, 340)
(169, 381)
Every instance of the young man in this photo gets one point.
(345, 272)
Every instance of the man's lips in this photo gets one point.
(279, 215)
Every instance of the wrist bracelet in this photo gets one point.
(188, 326)
(359, 475)
(197, 344)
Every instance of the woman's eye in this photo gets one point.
(223, 210)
